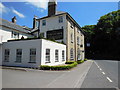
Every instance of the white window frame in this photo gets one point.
(71, 54)
(78, 40)
(43, 22)
(71, 37)
(60, 19)
(63, 55)
(18, 55)
(78, 54)
(56, 55)
(14, 34)
(47, 56)
(32, 55)
(6, 55)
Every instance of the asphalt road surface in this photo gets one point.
(45, 79)
(91, 74)
(102, 74)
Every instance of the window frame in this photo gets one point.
(14, 34)
(71, 37)
(63, 55)
(71, 54)
(6, 55)
(47, 55)
(56, 55)
(60, 19)
(32, 55)
(44, 22)
(18, 56)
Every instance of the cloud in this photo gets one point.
(18, 13)
(3, 9)
(42, 4)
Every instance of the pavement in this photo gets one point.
(29, 78)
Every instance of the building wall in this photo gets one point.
(6, 33)
(26, 45)
(0, 54)
(52, 23)
(82, 48)
(52, 46)
(69, 43)
(75, 45)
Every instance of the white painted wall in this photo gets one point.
(52, 46)
(52, 23)
(5, 34)
(25, 46)
(40, 46)
(0, 54)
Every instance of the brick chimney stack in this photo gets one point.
(52, 7)
(14, 20)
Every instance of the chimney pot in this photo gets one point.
(14, 19)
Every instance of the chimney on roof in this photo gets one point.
(52, 7)
(34, 22)
(14, 19)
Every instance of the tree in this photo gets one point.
(105, 36)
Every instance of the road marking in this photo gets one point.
(103, 73)
(100, 69)
(109, 79)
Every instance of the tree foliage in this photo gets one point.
(105, 36)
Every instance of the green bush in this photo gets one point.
(63, 67)
(85, 59)
(80, 61)
(44, 67)
(69, 62)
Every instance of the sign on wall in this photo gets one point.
(55, 34)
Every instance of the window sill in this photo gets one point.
(47, 62)
(5, 61)
(31, 62)
(17, 62)
(72, 59)
(56, 61)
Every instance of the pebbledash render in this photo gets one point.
(60, 26)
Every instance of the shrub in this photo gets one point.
(69, 62)
(45, 67)
(63, 67)
(80, 61)
(85, 59)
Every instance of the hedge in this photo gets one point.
(64, 67)
(85, 59)
(80, 61)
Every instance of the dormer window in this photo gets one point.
(60, 19)
(43, 22)
(14, 35)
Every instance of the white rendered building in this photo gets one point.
(33, 53)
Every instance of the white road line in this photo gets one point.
(103, 73)
(100, 69)
(109, 79)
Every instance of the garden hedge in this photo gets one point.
(63, 67)
(80, 61)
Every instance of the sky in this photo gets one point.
(85, 13)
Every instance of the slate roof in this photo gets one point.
(12, 26)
